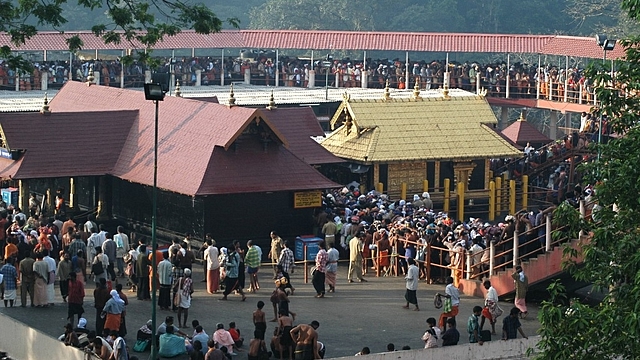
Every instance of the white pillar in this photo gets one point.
(553, 125)
(507, 89)
(504, 118)
(583, 214)
(540, 78)
(277, 68)
(44, 55)
(566, 78)
(580, 95)
(516, 244)
(147, 77)
(406, 70)
(17, 81)
(547, 238)
(122, 73)
(44, 81)
(198, 77)
(247, 76)
(337, 79)
(478, 79)
(364, 77)
(222, 69)
(468, 275)
(96, 75)
(312, 79)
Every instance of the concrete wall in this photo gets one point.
(22, 342)
(492, 350)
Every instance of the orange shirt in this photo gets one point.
(10, 250)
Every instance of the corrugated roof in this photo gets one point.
(426, 129)
(340, 40)
(298, 125)
(92, 149)
(521, 132)
(189, 131)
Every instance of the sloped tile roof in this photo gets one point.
(521, 132)
(251, 169)
(339, 40)
(65, 143)
(189, 131)
(426, 129)
(298, 125)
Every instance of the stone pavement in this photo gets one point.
(356, 315)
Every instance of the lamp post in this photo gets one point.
(606, 45)
(326, 76)
(155, 93)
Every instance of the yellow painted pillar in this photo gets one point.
(460, 200)
(525, 192)
(380, 187)
(72, 193)
(445, 207)
(23, 196)
(490, 174)
(512, 197)
(425, 185)
(403, 191)
(50, 207)
(492, 200)
(498, 194)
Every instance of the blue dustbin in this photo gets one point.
(312, 247)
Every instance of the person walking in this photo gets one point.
(412, 277)
(332, 267)
(522, 283)
(211, 255)
(356, 245)
(231, 281)
(184, 289)
(320, 270)
(164, 277)
(276, 248)
(453, 294)
(75, 298)
(491, 309)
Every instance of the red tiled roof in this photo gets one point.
(83, 144)
(342, 40)
(189, 131)
(298, 125)
(522, 132)
(251, 169)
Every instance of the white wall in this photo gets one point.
(492, 350)
(22, 342)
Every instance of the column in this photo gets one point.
(567, 122)
(247, 76)
(104, 200)
(312, 79)
(436, 176)
(23, 196)
(147, 77)
(376, 173)
(96, 75)
(44, 81)
(73, 197)
(198, 77)
(553, 125)
(365, 79)
(504, 118)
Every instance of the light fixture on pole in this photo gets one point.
(155, 93)
(606, 45)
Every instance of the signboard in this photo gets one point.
(307, 199)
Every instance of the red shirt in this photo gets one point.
(76, 292)
(234, 334)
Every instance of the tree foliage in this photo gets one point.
(611, 262)
(146, 22)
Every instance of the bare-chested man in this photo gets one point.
(306, 339)
(257, 346)
(259, 318)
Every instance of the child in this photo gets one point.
(259, 318)
(432, 334)
(235, 335)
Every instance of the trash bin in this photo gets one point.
(312, 247)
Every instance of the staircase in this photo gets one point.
(537, 269)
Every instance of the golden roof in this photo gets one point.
(430, 128)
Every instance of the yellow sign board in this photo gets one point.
(307, 199)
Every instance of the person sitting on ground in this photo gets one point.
(197, 353)
(235, 335)
(213, 352)
(102, 350)
(365, 351)
(452, 335)
(144, 333)
(257, 347)
(171, 345)
(223, 337)
(200, 336)
(70, 336)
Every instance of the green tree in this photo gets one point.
(146, 22)
(610, 330)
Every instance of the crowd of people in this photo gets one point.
(371, 230)
(554, 81)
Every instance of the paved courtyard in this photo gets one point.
(356, 315)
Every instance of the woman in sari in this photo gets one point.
(113, 310)
(41, 270)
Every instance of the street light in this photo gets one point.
(155, 93)
(606, 45)
(326, 76)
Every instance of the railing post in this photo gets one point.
(492, 200)
(512, 197)
(550, 96)
(492, 257)
(547, 246)
(403, 191)
(583, 214)
(445, 206)
(468, 255)
(516, 244)
(427, 258)
(525, 191)
(580, 96)
(498, 194)
(306, 270)
(460, 192)
(538, 83)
